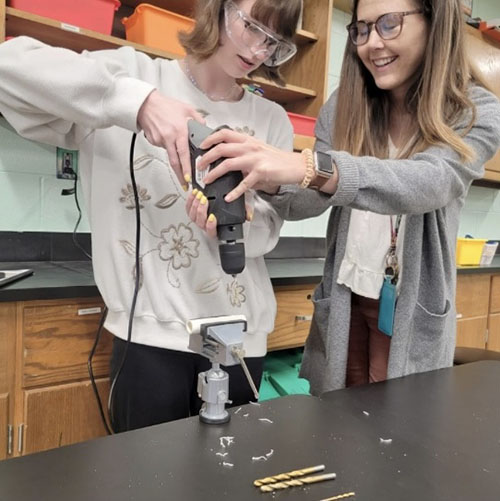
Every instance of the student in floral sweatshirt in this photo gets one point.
(93, 102)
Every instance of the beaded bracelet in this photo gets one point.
(310, 170)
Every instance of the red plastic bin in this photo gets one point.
(302, 124)
(95, 15)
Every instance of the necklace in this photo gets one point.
(232, 91)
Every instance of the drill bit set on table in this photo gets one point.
(298, 478)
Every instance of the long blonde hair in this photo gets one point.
(438, 98)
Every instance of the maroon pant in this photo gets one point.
(368, 347)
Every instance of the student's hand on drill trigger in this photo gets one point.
(197, 209)
(164, 122)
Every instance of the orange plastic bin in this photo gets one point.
(302, 124)
(158, 28)
(95, 15)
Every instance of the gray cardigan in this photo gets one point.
(430, 189)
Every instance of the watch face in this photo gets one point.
(324, 163)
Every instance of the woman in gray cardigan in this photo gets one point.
(397, 148)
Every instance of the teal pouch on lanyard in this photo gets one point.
(388, 293)
(387, 307)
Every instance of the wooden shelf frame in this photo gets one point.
(53, 32)
(343, 5)
(300, 142)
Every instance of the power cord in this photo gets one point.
(137, 281)
(91, 371)
(112, 430)
(74, 191)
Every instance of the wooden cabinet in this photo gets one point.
(472, 302)
(478, 311)
(7, 351)
(494, 315)
(484, 52)
(4, 425)
(46, 398)
(57, 339)
(61, 415)
(293, 318)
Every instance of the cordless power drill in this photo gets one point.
(230, 216)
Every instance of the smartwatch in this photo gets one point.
(324, 167)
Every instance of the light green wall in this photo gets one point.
(486, 9)
(30, 198)
(30, 193)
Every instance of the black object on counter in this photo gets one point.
(432, 436)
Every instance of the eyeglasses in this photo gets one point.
(245, 33)
(388, 26)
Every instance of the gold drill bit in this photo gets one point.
(297, 482)
(289, 475)
(340, 496)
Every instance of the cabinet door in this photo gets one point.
(471, 332)
(57, 341)
(495, 294)
(4, 419)
(62, 415)
(293, 319)
(494, 332)
(473, 295)
(8, 330)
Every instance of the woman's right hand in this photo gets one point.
(164, 122)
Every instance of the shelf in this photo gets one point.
(481, 35)
(344, 5)
(282, 95)
(52, 32)
(491, 179)
(493, 34)
(491, 175)
(300, 142)
(304, 37)
(187, 7)
(183, 7)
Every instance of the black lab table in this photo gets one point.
(440, 431)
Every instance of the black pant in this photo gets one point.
(158, 385)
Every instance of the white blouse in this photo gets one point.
(368, 242)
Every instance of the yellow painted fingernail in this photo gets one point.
(250, 216)
(199, 195)
(195, 191)
(187, 178)
(203, 200)
(185, 187)
(211, 218)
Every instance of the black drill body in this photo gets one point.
(230, 216)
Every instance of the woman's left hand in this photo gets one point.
(264, 167)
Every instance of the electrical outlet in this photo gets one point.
(66, 163)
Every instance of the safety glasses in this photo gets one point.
(388, 26)
(246, 33)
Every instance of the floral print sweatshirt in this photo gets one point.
(89, 102)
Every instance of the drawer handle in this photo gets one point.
(303, 318)
(89, 311)
(459, 316)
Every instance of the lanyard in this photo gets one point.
(391, 260)
(395, 231)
